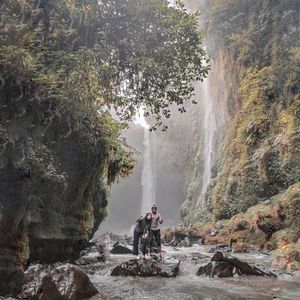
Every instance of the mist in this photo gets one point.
(125, 201)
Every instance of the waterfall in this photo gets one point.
(148, 171)
(38, 4)
(209, 130)
(22, 12)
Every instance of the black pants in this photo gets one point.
(145, 244)
(155, 234)
(136, 239)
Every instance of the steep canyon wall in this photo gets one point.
(52, 194)
(255, 78)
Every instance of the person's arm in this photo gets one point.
(140, 218)
(160, 219)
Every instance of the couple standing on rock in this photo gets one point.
(147, 229)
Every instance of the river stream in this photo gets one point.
(189, 286)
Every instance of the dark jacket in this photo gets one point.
(143, 225)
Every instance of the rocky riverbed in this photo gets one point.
(187, 285)
(119, 276)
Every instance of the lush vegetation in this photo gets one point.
(101, 54)
(260, 152)
(256, 184)
(89, 58)
(261, 149)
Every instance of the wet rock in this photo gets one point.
(220, 269)
(119, 248)
(128, 240)
(201, 241)
(198, 256)
(147, 268)
(57, 282)
(112, 236)
(11, 277)
(185, 243)
(92, 255)
(214, 232)
(112, 239)
(47, 290)
(221, 266)
(49, 198)
(220, 247)
(106, 239)
(92, 260)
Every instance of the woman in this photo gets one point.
(142, 230)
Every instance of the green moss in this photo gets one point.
(259, 148)
(194, 187)
(20, 246)
(272, 224)
(289, 256)
(256, 187)
(105, 212)
(87, 220)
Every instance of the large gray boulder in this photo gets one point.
(221, 266)
(148, 268)
(121, 247)
(60, 282)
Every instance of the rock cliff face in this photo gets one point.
(52, 193)
(256, 58)
(261, 151)
(256, 54)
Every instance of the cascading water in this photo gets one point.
(148, 171)
(209, 130)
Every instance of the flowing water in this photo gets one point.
(148, 171)
(38, 4)
(22, 12)
(189, 286)
(209, 128)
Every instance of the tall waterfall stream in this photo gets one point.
(148, 171)
(209, 128)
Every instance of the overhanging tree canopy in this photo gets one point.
(102, 53)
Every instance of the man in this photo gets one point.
(154, 228)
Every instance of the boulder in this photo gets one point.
(127, 240)
(148, 268)
(11, 277)
(221, 247)
(198, 256)
(57, 282)
(221, 266)
(119, 248)
(91, 255)
(220, 269)
(186, 242)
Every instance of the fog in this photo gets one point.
(125, 200)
